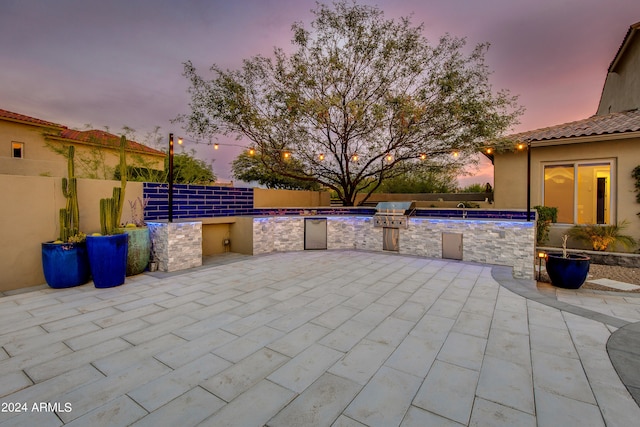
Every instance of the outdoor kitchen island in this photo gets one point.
(483, 236)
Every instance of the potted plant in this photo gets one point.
(64, 261)
(567, 270)
(603, 237)
(139, 246)
(108, 249)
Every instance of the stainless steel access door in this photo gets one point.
(315, 233)
(452, 245)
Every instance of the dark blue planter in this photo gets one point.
(65, 264)
(570, 272)
(108, 259)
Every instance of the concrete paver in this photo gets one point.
(326, 338)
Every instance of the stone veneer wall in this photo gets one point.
(176, 245)
(490, 242)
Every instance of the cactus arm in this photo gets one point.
(70, 215)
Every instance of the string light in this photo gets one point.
(216, 146)
(179, 141)
(489, 150)
(286, 155)
(354, 157)
(389, 158)
(455, 154)
(521, 146)
(423, 156)
(321, 156)
(252, 151)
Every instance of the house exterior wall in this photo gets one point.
(38, 159)
(510, 171)
(41, 160)
(622, 87)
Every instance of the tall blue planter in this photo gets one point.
(570, 272)
(108, 259)
(65, 264)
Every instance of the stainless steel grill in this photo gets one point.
(393, 214)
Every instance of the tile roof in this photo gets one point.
(614, 123)
(103, 138)
(26, 119)
(93, 136)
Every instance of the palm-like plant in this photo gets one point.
(602, 237)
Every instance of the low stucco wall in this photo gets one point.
(30, 217)
(267, 198)
(508, 243)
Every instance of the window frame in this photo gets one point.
(613, 196)
(13, 149)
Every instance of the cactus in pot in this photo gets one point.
(64, 261)
(111, 208)
(108, 252)
(69, 216)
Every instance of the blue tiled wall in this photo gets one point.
(203, 201)
(196, 201)
(475, 214)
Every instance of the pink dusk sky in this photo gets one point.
(119, 62)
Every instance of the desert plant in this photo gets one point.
(602, 237)
(635, 174)
(564, 246)
(546, 215)
(111, 208)
(137, 213)
(70, 215)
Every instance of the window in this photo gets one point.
(580, 191)
(17, 150)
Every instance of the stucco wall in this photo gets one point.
(511, 175)
(268, 198)
(30, 217)
(38, 159)
(622, 87)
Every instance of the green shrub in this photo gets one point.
(602, 237)
(546, 215)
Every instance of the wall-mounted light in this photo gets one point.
(521, 146)
(489, 150)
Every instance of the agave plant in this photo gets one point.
(603, 237)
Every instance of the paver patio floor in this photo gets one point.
(327, 338)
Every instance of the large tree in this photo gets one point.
(361, 99)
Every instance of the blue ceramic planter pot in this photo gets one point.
(108, 259)
(65, 264)
(570, 272)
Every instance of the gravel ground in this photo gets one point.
(598, 271)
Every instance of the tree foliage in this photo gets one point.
(359, 101)
(423, 179)
(252, 169)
